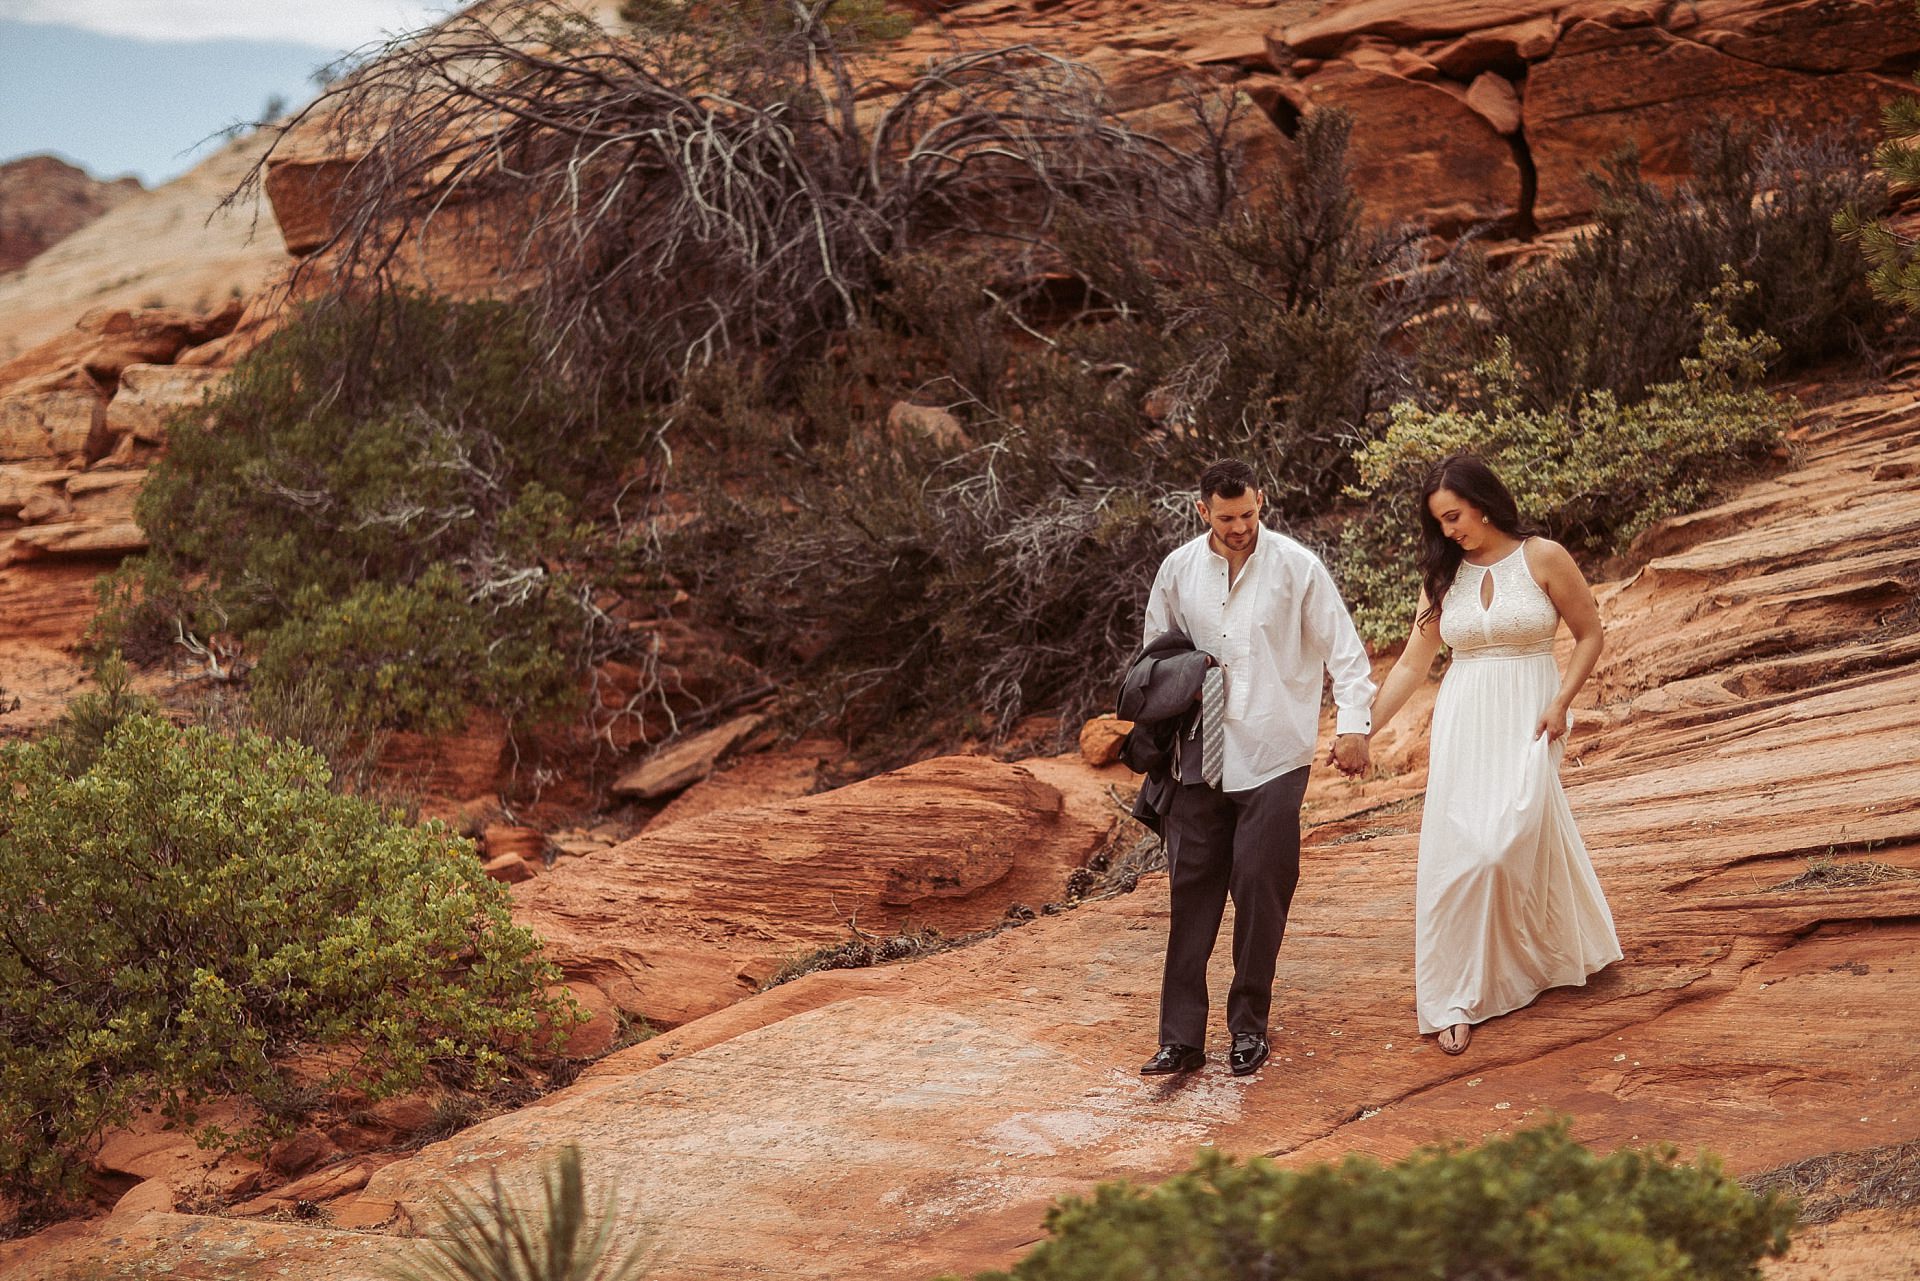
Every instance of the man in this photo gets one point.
(1265, 612)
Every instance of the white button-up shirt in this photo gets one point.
(1277, 629)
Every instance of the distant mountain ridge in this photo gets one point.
(44, 199)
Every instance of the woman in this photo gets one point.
(1506, 904)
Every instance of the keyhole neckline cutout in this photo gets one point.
(1487, 589)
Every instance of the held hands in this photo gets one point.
(1350, 754)
(1554, 722)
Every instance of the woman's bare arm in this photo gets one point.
(1554, 569)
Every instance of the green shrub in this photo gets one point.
(397, 502)
(1536, 1204)
(1616, 312)
(1592, 474)
(186, 907)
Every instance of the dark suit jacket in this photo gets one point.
(1158, 695)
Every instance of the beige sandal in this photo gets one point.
(1461, 1034)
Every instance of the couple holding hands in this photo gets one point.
(1242, 626)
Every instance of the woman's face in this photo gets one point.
(1461, 521)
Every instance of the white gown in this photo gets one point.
(1506, 903)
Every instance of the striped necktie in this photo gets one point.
(1213, 726)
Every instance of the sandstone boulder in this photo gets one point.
(668, 923)
(681, 764)
(1100, 740)
(1494, 97)
(510, 868)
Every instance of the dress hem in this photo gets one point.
(1475, 1021)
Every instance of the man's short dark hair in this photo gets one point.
(1227, 478)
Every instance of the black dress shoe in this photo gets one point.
(1249, 1052)
(1174, 1058)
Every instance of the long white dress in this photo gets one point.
(1506, 903)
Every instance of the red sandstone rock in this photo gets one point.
(103, 342)
(1493, 96)
(300, 1152)
(149, 1196)
(40, 427)
(683, 763)
(510, 868)
(1497, 48)
(106, 539)
(666, 923)
(43, 199)
(1407, 21)
(20, 483)
(1100, 739)
(150, 394)
(1417, 151)
(593, 1038)
(1604, 87)
(1807, 35)
(758, 778)
(499, 839)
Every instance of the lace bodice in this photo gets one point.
(1521, 619)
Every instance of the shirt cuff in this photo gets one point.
(1353, 720)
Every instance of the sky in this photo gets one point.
(144, 87)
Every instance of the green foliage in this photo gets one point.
(1893, 258)
(1536, 1204)
(81, 732)
(1616, 311)
(493, 1237)
(393, 501)
(1592, 474)
(182, 907)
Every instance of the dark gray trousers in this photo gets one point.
(1244, 844)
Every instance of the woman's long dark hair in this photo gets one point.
(1469, 477)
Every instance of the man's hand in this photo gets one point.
(1351, 754)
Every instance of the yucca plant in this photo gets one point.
(493, 1237)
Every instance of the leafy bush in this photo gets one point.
(1615, 312)
(394, 502)
(1536, 1204)
(1592, 474)
(181, 907)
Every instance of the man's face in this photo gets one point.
(1234, 521)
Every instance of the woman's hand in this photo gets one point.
(1553, 722)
